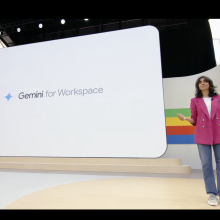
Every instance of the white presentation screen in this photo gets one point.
(98, 95)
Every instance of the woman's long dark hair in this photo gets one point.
(212, 91)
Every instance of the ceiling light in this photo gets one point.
(40, 25)
(86, 19)
(18, 29)
(62, 21)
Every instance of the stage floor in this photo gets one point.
(32, 189)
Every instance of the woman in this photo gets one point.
(205, 115)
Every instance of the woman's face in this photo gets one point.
(203, 84)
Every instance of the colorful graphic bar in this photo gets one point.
(179, 132)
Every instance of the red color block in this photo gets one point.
(178, 130)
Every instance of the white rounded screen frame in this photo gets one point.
(121, 113)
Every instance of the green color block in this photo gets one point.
(173, 112)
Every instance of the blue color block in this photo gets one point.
(180, 139)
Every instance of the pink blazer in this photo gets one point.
(207, 129)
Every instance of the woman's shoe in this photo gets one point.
(213, 200)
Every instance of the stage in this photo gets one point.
(41, 189)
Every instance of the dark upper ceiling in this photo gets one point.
(53, 29)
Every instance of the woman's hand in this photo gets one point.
(181, 117)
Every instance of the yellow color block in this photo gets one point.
(174, 121)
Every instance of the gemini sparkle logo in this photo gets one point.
(8, 96)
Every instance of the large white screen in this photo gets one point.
(123, 116)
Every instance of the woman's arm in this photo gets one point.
(193, 118)
(190, 120)
(193, 111)
(182, 118)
